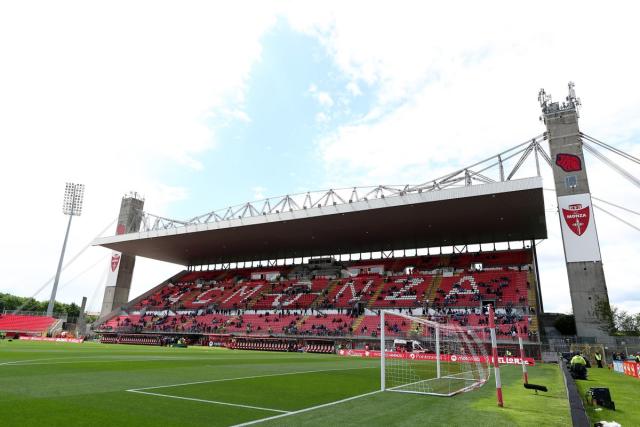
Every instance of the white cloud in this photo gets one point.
(322, 117)
(259, 192)
(324, 99)
(353, 89)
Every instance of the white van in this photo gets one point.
(410, 346)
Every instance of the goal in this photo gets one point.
(427, 357)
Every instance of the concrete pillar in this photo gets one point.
(121, 266)
(580, 238)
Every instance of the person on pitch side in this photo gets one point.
(598, 357)
(578, 359)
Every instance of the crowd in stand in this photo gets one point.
(328, 310)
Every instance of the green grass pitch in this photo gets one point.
(56, 384)
(624, 392)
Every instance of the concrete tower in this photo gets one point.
(579, 235)
(121, 266)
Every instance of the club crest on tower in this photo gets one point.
(577, 218)
(115, 260)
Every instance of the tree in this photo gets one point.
(565, 324)
(607, 315)
(10, 302)
(618, 321)
(72, 310)
(626, 323)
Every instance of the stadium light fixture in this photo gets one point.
(72, 206)
(73, 198)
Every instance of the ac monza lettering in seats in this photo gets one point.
(568, 162)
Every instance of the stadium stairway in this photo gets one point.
(431, 292)
(331, 288)
(56, 327)
(376, 294)
(356, 324)
(320, 298)
(533, 303)
(254, 300)
(301, 322)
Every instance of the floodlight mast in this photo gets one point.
(72, 206)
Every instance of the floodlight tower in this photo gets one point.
(587, 285)
(72, 206)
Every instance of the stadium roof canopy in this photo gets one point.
(493, 212)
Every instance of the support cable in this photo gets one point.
(603, 201)
(611, 148)
(86, 270)
(612, 165)
(100, 285)
(616, 206)
(64, 267)
(617, 217)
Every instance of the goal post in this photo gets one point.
(426, 357)
(382, 350)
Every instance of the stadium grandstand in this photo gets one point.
(298, 298)
(27, 324)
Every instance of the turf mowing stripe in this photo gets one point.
(248, 378)
(209, 401)
(312, 408)
(118, 358)
(101, 360)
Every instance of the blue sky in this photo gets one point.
(208, 105)
(272, 150)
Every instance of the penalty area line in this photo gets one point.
(215, 402)
(281, 374)
(312, 408)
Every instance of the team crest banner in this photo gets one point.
(114, 268)
(577, 218)
(578, 228)
(115, 261)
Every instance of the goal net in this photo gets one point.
(427, 357)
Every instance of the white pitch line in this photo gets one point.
(14, 362)
(248, 378)
(209, 401)
(429, 379)
(312, 408)
(102, 359)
